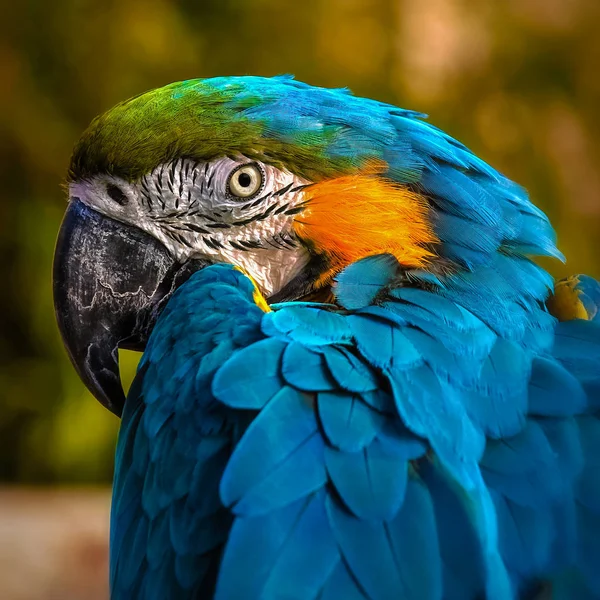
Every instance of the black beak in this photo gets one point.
(111, 281)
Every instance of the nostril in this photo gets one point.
(116, 194)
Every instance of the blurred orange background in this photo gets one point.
(517, 81)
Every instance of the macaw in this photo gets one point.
(355, 382)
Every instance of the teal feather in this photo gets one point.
(522, 466)
(341, 584)
(431, 409)
(255, 543)
(382, 344)
(463, 569)
(571, 584)
(499, 403)
(372, 481)
(290, 544)
(311, 543)
(358, 285)
(588, 485)
(525, 537)
(306, 369)
(460, 195)
(348, 422)
(553, 390)
(252, 377)
(349, 372)
(308, 325)
(293, 459)
(399, 558)
(380, 400)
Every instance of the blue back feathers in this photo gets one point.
(366, 452)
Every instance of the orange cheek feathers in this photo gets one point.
(355, 216)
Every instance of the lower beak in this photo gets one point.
(111, 281)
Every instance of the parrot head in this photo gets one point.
(289, 182)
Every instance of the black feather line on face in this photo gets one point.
(177, 226)
(289, 240)
(161, 176)
(196, 228)
(248, 244)
(183, 241)
(210, 178)
(295, 210)
(283, 190)
(281, 209)
(171, 175)
(260, 217)
(253, 244)
(300, 187)
(273, 243)
(211, 243)
(146, 194)
(256, 202)
(219, 225)
(237, 246)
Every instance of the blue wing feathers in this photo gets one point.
(432, 410)
(549, 384)
(132, 558)
(292, 460)
(307, 325)
(358, 285)
(306, 369)
(397, 558)
(380, 400)
(252, 376)
(525, 538)
(341, 584)
(302, 472)
(463, 571)
(189, 569)
(350, 373)
(408, 449)
(348, 422)
(253, 546)
(289, 553)
(383, 345)
(371, 482)
(588, 485)
(192, 533)
(308, 558)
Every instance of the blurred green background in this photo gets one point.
(518, 81)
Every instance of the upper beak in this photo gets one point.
(110, 282)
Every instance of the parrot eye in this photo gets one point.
(246, 181)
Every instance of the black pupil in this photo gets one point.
(244, 180)
(116, 194)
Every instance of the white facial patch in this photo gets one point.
(193, 210)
